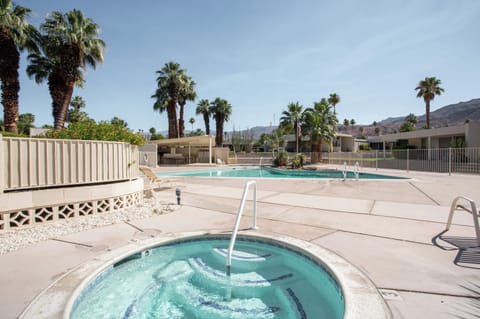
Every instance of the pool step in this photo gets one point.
(245, 258)
(201, 304)
(246, 279)
(174, 271)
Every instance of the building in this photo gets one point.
(467, 135)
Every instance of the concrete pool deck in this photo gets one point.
(390, 230)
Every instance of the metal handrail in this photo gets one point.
(473, 211)
(237, 221)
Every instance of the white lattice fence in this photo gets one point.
(32, 216)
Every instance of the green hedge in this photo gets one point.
(101, 131)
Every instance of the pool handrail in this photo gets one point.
(237, 221)
(473, 211)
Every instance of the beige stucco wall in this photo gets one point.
(472, 134)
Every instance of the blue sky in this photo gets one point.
(262, 54)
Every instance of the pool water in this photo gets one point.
(268, 172)
(187, 280)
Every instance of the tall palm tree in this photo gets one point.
(333, 100)
(203, 108)
(70, 43)
(187, 93)
(290, 120)
(16, 34)
(78, 103)
(221, 111)
(170, 80)
(427, 89)
(320, 124)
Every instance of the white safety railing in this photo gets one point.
(27, 163)
(472, 210)
(237, 221)
(440, 160)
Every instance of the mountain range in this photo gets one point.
(449, 115)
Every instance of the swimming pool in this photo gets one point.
(269, 172)
(187, 279)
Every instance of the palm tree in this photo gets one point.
(203, 108)
(221, 111)
(70, 43)
(320, 124)
(74, 114)
(290, 120)
(333, 100)
(170, 80)
(16, 34)
(191, 121)
(427, 89)
(187, 93)
(78, 103)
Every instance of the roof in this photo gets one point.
(204, 140)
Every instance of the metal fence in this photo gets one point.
(441, 160)
(27, 163)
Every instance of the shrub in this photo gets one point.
(364, 147)
(9, 134)
(101, 131)
(281, 159)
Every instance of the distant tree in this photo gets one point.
(346, 122)
(16, 34)
(290, 120)
(203, 108)
(119, 122)
(74, 113)
(170, 80)
(152, 130)
(25, 123)
(352, 122)
(377, 130)
(221, 110)
(374, 123)
(192, 121)
(409, 123)
(320, 123)
(197, 132)
(360, 129)
(333, 100)
(427, 89)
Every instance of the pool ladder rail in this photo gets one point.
(473, 210)
(356, 170)
(237, 221)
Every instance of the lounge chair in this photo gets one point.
(155, 180)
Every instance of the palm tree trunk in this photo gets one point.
(206, 119)
(9, 65)
(427, 112)
(181, 122)
(57, 88)
(219, 126)
(316, 155)
(172, 119)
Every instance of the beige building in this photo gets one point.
(442, 137)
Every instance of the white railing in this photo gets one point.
(441, 160)
(239, 217)
(27, 163)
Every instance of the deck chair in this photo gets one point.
(155, 180)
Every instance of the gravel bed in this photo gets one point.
(18, 238)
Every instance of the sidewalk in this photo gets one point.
(386, 228)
